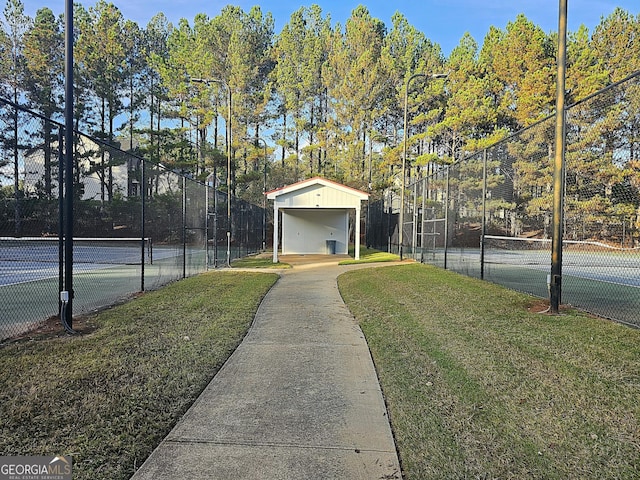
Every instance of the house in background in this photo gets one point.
(315, 217)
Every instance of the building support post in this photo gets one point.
(276, 227)
(357, 252)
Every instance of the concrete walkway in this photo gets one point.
(299, 398)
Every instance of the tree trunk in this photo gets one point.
(101, 172)
(311, 138)
(16, 172)
(47, 159)
(284, 136)
(110, 186)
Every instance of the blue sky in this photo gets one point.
(442, 21)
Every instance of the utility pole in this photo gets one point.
(66, 296)
(555, 280)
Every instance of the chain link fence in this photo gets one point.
(490, 215)
(138, 225)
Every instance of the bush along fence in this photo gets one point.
(490, 214)
(137, 224)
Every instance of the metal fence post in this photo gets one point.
(215, 218)
(483, 225)
(60, 216)
(424, 206)
(414, 229)
(389, 213)
(184, 227)
(143, 199)
(446, 218)
(206, 225)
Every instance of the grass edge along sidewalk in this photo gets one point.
(110, 395)
(478, 385)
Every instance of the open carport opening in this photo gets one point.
(315, 231)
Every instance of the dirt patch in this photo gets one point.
(539, 306)
(542, 306)
(52, 328)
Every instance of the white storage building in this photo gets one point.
(315, 217)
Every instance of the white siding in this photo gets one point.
(318, 196)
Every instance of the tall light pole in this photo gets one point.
(208, 81)
(404, 154)
(555, 278)
(66, 296)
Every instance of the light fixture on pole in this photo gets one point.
(404, 155)
(208, 81)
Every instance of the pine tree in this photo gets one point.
(133, 73)
(174, 67)
(101, 50)
(299, 54)
(354, 80)
(43, 52)
(586, 72)
(16, 25)
(616, 40)
(465, 106)
(523, 61)
(155, 51)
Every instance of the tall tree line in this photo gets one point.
(327, 98)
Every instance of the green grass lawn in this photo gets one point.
(109, 397)
(258, 262)
(480, 386)
(370, 255)
(477, 384)
(367, 255)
